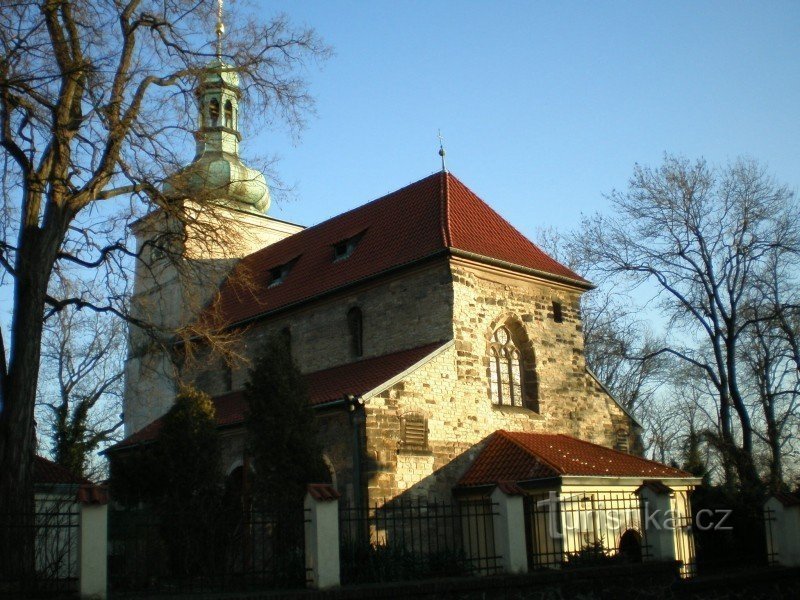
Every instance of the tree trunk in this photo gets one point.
(17, 434)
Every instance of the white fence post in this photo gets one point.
(509, 527)
(782, 528)
(322, 535)
(658, 525)
(93, 542)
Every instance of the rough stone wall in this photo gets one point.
(452, 390)
(168, 298)
(399, 313)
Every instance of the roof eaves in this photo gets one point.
(579, 283)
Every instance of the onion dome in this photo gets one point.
(217, 173)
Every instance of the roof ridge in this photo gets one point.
(347, 212)
(444, 198)
(544, 461)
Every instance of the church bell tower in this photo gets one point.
(216, 212)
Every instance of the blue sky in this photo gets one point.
(544, 106)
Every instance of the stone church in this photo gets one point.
(443, 350)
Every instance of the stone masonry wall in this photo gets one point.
(398, 314)
(452, 390)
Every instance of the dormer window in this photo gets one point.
(344, 248)
(278, 274)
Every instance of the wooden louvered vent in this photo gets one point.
(415, 433)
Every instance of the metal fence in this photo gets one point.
(733, 536)
(49, 537)
(174, 552)
(585, 528)
(405, 540)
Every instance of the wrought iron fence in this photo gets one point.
(232, 550)
(416, 539)
(48, 544)
(585, 528)
(731, 533)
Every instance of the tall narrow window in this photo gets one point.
(505, 370)
(558, 312)
(229, 115)
(213, 111)
(355, 325)
(286, 339)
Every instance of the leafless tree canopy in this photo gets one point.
(96, 109)
(719, 248)
(80, 388)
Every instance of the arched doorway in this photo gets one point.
(630, 546)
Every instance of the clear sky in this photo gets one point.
(544, 106)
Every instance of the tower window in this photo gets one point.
(213, 111)
(505, 370)
(558, 313)
(356, 327)
(229, 115)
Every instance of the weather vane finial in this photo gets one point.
(442, 152)
(220, 28)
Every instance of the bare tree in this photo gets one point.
(80, 388)
(701, 237)
(772, 366)
(96, 110)
(619, 346)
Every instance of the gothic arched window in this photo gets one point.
(505, 370)
(356, 326)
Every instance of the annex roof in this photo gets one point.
(519, 456)
(435, 215)
(324, 387)
(47, 472)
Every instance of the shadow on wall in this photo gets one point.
(437, 486)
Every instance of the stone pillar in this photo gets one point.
(782, 524)
(658, 526)
(93, 542)
(322, 535)
(509, 527)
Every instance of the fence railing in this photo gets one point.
(48, 546)
(416, 539)
(585, 528)
(174, 552)
(730, 538)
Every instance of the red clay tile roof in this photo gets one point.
(424, 219)
(517, 456)
(324, 387)
(46, 471)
